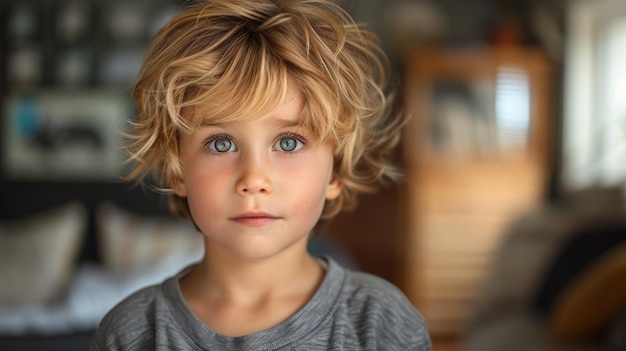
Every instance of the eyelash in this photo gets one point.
(214, 137)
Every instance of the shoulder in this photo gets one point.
(369, 285)
(364, 290)
(383, 310)
(130, 324)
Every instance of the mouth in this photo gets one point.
(256, 219)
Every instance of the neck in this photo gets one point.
(222, 274)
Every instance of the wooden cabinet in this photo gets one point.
(476, 152)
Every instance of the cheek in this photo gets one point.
(205, 186)
(307, 181)
(307, 205)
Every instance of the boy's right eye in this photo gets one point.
(221, 144)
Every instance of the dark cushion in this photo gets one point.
(578, 252)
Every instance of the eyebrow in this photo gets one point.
(279, 122)
(286, 123)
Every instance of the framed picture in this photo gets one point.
(462, 120)
(63, 136)
(471, 105)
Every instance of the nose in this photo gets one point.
(254, 176)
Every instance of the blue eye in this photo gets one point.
(221, 144)
(288, 144)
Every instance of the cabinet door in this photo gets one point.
(475, 152)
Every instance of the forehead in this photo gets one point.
(290, 107)
(283, 108)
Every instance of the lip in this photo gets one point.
(254, 219)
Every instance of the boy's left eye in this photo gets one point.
(288, 144)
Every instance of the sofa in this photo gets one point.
(558, 280)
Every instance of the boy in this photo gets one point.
(259, 118)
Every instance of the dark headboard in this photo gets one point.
(23, 199)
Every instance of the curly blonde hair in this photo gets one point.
(228, 60)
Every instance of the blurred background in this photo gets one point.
(507, 229)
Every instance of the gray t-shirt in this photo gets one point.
(350, 311)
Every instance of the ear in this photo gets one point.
(178, 185)
(334, 187)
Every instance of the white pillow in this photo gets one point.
(131, 244)
(38, 255)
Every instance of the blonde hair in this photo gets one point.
(231, 59)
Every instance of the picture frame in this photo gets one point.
(477, 104)
(63, 135)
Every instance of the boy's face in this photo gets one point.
(256, 188)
